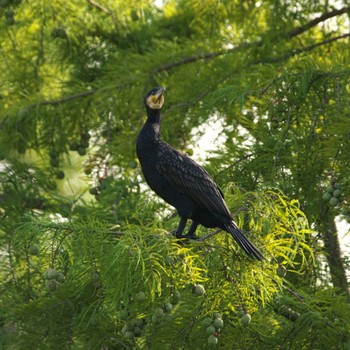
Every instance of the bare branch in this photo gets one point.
(210, 234)
(69, 98)
(206, 56)
(317, 20)
(305, 49)
(234, 164)
(99, 7)
(64, 99)
(295, 52)
(54, 102)
(105, 10)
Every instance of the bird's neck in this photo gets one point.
(148, 138)
(153, 124)
(153, 116)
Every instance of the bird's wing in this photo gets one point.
(189, 177)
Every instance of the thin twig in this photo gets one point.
(205, 56)
(99, 7)
(185, 332)
(297, 295)
(105, 10)
(305, 49)
(235, 163)
(63, 99)
(210, 234)
(69, 98)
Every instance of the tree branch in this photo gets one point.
(317, 20)
(99, 7)
(210, 234)
(268, 60)
(73, 97)
(63, 99)
(206, 56)
(234, 164)
(105, 10)
(304, 49)
(292, 33)
(195, 58)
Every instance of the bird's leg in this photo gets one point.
(191, 232)
(181, 227)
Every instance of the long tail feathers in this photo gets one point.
(248, 247)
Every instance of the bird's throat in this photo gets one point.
(150, 132)
(153, 116)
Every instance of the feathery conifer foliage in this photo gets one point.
(86, 255)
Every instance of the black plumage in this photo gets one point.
(182, 182)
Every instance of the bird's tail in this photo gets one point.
(248, 247)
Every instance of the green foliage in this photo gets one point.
(97, 279)
(86, 257)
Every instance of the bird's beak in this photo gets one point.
(159, 93)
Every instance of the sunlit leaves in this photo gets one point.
(133, 269)
(281, 100)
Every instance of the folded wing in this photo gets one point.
(188, 177)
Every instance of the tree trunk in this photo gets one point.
(333, 252)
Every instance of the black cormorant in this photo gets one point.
(182, 182)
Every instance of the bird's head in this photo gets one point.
(155, 98)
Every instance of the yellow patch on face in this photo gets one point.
(155, 101)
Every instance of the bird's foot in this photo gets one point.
(187, 236)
